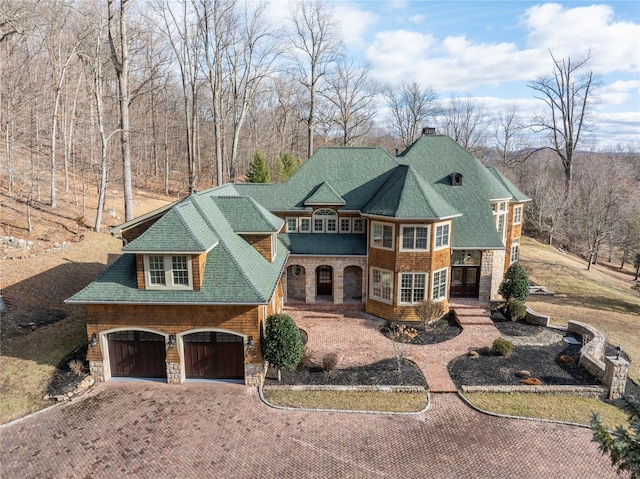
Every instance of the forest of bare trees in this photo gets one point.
(178, 95)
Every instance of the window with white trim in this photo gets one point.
(292, 224)
(381, 284)
(305, 225)
(168, 272)
(442, 236)
(517, 215)
(439, 285)
(412, 288)
(414, 238)
(499, 210)
(358, 225)
(325, 220)
(382, 236)
(515, 250)
(345, 225)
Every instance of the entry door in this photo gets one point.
(324, 281)
(464, 281)
(213, 355)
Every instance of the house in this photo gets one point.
(197, 279)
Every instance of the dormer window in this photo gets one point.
(168, 272)
(456, 179)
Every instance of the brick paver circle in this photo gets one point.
(198, 430)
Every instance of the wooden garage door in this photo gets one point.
(213, 355)
(137, 354)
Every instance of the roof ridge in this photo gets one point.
(223, 243)
(186, 225)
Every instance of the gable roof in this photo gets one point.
(406, 195)
(324, 194)
(517, 195)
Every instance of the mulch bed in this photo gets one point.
(442, 330)
(64, 380)
(382, 373)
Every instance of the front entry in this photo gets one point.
(213, 355)
(464, 281)
(137, 354)
(324, 281)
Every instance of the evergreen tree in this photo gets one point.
(285, 165)
(283, 346)
(622, 445)
(515, 285)
(258, 169)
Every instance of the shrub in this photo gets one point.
(402, 333)
(515, 284)
(502, 346)
(516, 310)
(283, 346)
(77, 367)
(429, 311)
(329, 361)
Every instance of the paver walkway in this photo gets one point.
(356, 337)
(217, 430)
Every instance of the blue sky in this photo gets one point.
(489, 51)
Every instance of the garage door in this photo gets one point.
(137, 354)
(213, 355)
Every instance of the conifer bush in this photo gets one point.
(515, 285)
(502, 346)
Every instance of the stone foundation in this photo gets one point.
(96, 368)
(254, 374)
(174, 373)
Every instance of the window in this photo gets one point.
(292, 225)
(305, 225)
(412, 287)
(439, 289)
(345, 225)
(325, 221)
(515, 250)
(415, 238)
(381, 284)
(296, 269)
(274, 246)
(442, 236)
(382, 236)
(499, 209)
(168, 271)
(358, 225)
(517, 215)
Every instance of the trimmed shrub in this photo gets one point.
(283, 346)
(502, 347)
(515, 285)
(516, 310)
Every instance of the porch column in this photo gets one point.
(338, 285)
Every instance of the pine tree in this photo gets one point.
(285, 165)
(258, 169)
(515, 285)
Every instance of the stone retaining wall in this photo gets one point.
(600, 392)
(536, 318)
(592, 352)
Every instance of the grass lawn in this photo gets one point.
(27, 364)
(349, 400)
(601, 297)
(559, 408)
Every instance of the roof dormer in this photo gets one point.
(456, 179)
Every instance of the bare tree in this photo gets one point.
(119, 44)
(352, 93)
(410, 106)
(465, 121)
(511, 142)
(315, 37)
(566, 94)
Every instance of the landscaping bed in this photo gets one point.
(442, 330)
(64, 380)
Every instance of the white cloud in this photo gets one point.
(417, 18)
(618, 92)
(614, 45)
(354, 23)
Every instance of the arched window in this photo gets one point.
(325, 221)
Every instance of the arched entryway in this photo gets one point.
(296, 283)
(324, 281)
(352, 284)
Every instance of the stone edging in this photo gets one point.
(599, 392)
(329, 387)
(349, 411)
(509, 416)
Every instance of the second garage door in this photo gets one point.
(213, 355)
(137, 354)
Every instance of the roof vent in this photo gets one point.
(456, 179)
(428, 130)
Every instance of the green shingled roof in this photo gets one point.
(407, 195)
(245, 215)
(517, 195)
(324, 194)
(326, 244)
(436, 157)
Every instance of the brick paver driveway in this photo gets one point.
(216, 430)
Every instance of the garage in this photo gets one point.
(213, 355)
(137, 354)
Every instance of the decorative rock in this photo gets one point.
(61, 398)
(474, 354)
(524, 373)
